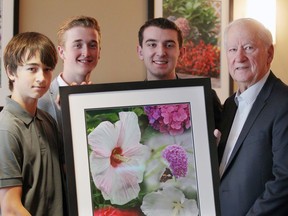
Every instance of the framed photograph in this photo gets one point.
(9, 10)
(202, 24)
(130, 144)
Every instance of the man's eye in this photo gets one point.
(78, 45)
(47, 70)
(32, 69)
(93, 45)
(170, 45)
(232, 50)
(249, 49)
(151, 44)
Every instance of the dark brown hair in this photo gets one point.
(31, 43)
(162, 23)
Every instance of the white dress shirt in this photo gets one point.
(244, 101)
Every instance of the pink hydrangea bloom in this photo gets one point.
(172, 119)
(183, 25)
(177, 159)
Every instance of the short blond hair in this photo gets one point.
(84, 21)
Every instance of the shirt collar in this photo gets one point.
(19, 112)
(250, 94)
(60, 80)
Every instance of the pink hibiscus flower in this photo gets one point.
(117, 160)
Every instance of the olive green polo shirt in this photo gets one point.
(29, 156)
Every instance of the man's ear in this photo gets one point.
(182, 52)
(99, 53)
(11, 75)
(139, 51)
(61, 52)
(270, 54)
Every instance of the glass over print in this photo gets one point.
(141, 154)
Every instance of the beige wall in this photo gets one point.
(280, 62)
(120, 20)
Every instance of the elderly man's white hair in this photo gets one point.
(262, 34)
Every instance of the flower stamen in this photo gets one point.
(177, 206)
(117, 158)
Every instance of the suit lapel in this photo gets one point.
(230, 109)
(258, 105)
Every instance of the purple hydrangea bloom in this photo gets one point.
(176, 156)
(173, 119)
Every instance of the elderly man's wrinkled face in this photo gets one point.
(248, 57)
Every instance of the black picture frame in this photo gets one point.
(76, 100)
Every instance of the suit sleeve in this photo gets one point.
(274, 200)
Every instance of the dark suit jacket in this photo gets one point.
(255, 181)
(217, 106)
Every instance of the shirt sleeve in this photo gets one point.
(10, 160)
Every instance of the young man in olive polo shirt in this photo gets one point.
(30, 169)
